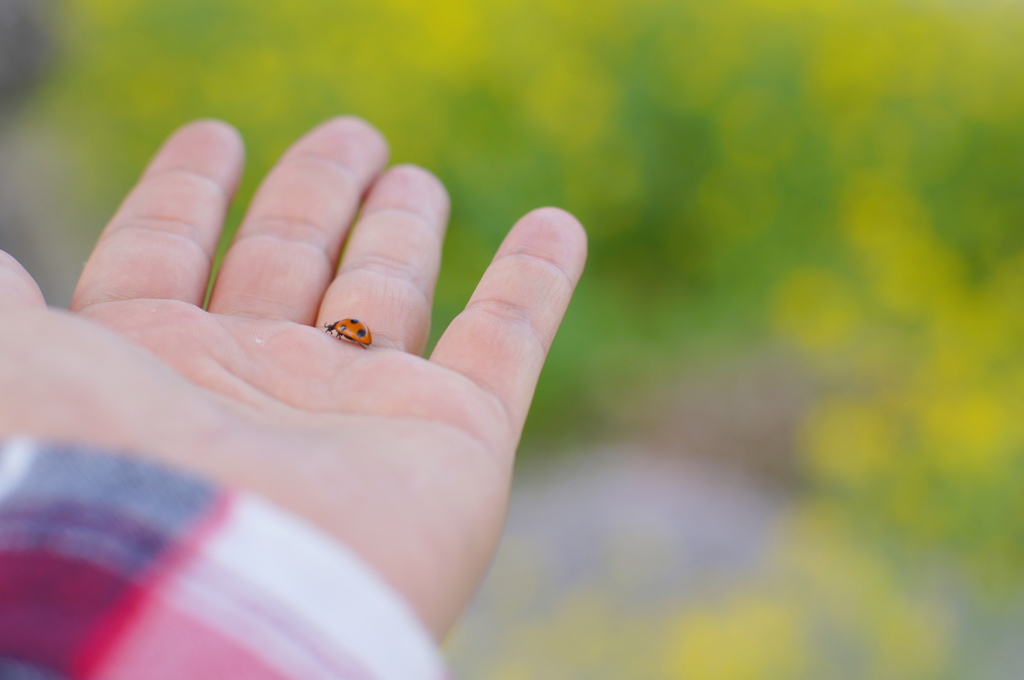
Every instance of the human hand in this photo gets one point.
(406, 460)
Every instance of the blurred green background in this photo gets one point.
(840, 184)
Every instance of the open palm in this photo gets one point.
(406, 460)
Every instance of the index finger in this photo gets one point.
(161, 242)
(501, 339)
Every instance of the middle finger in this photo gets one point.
(286, 250)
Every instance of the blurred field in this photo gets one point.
(840, 184)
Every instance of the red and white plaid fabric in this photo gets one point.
(117, 569)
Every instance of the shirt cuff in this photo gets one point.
(116, 568)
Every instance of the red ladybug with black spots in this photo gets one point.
(352, 330)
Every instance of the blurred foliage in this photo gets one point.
(818, 605)
(844, 176)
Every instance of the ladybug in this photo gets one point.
(352, 330)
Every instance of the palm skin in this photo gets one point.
(406, 460)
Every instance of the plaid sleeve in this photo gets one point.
(114, 568)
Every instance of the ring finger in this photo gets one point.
(391, 262)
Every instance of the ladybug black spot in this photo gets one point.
(354, 321)
(361, 332)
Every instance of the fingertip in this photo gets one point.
(554, 232)
(215, 133)
(207, 147)
(16, 285)
(410, 185)
(353, 134)
(350, 120)
(555, 215)
(562, 221)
